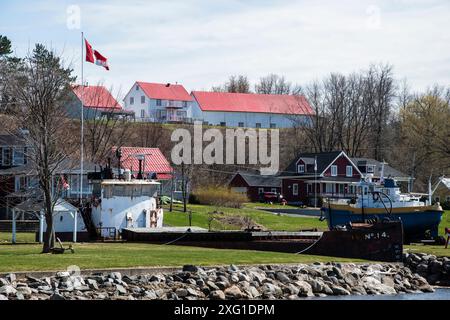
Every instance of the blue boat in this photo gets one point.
(384, 201)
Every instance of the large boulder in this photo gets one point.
(305, 289)
(233, 292)
(217, 295)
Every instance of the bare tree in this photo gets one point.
(235, 84)
(352, 112)
(384, 92)
(275, 84)
(41, 84)
(104, 126)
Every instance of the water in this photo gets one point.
(438, 294)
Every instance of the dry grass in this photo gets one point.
(220, 197)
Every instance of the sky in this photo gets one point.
(201, 43)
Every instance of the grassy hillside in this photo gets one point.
(268, 220)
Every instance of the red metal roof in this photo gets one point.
(96, 97)
(165, 91)
(154, 161)
(250, 102)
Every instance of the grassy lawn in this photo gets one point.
(21, 237)
(268, 220)
(436, 250)
(27, 257)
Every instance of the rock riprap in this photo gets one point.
(252, 282)
(435, 269)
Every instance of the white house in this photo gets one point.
(159, 102)
(251, 110)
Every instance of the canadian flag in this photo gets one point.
(93, 56)
(64, 183)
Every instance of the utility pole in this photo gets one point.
(171, 191)
(183, 191)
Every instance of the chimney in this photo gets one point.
(168, 85)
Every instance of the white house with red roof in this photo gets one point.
(159, 102)
(251, 110)
(97, 102)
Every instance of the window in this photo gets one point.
(1, 156)
(223, 124)
(131, 100)
(351, 189)
(295, 189)
(273, 190)
(184, 104)
(7, 156)
(75, 186)
(21, 183)
(142, 113)
(19, 156)
(240, 124)
(258, 125)
(370, 168)
(142, 99)
(437, 199)
(158, 102)
(334, 170)
(137, 88)
(448, 198)
(349, 171)
(273, 125)
(161, 114)
(260, 190)
(329, 188)
(301, 168)
(25, 155)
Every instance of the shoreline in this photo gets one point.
(287, 282)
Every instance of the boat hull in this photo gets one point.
(417, 222)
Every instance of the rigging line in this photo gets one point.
(307, 248)
(177, 239)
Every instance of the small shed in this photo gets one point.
(67, 220)
(254, 184)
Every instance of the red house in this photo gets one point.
(315, 175)
(253, 184)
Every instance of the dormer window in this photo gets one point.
(370, 168)
(301, 168)
(349, 171)
(334, 170)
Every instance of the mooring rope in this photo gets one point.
(300, 252)
(184, 235)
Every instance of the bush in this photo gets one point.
(220, 197)
(193, 199)
(446, 205)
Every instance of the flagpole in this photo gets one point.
(315, 182)
(82, 120)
